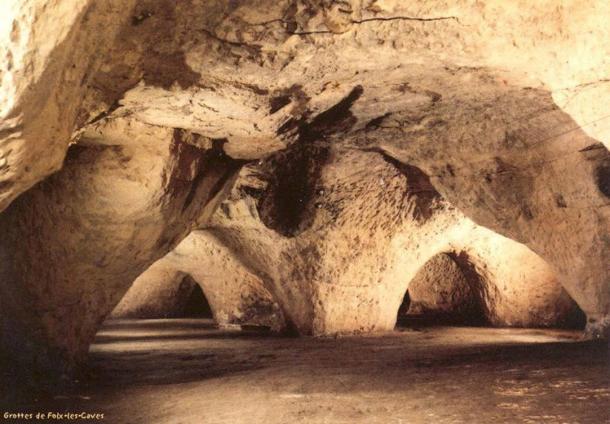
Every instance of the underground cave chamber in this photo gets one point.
(305, 205)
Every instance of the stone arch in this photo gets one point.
(441, 293)
(168, 294)
(367, 234)
(197, 304)
(513, 140)
(491, 280)
(235, 296)
(127, 194)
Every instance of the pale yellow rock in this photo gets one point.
(343, 262)
(49, 50)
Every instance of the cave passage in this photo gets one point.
(412, 318)
(309, 212)
(441, 293)
(449, 290)
(196, 305)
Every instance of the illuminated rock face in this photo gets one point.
(235, 295)
(49, 52)
(501, 104)
(441, 290)
(169, 294)
(494, 281)
(341, 259)
(127, 194)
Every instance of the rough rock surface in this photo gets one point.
(72, 246)
(484, 287)
(501, 104)
(49, 52)
(234, 294)
(168, 295)
(339, 255)
(441, 289)
(493, 101)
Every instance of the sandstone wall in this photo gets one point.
(341, 260)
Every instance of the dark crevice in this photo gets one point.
(105, 113)
(293, 174)
(291, 26)
(277, 103)
(406, 18)
(196, 305)
(603, 179)
(376, 122)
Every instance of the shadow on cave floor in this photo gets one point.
(416, 322)
(179, 371)
(159, 324)
(115, 331)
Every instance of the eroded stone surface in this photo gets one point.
(340, 258)
(169, 294)
(72, 246)
(235, 295)
(441, 289)
(501, 105)
(491, 281)
(49, 52)
(495, 116)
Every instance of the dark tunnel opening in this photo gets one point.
(196, 304)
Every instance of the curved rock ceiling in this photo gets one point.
(371, 135)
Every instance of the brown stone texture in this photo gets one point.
(481, 287)
(377, 134)
(49, 52)
(341, 259)
(440, 288)
(166, 294)
(235, 296)
(73, 245)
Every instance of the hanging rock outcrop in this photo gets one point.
(49, 53)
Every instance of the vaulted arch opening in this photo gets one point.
(442, 294)
(196, 304)
(458, 288)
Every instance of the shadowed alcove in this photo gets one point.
(180, 296)
(442, 294)
(448, 290)
(196, 305)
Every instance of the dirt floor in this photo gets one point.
(188, 371)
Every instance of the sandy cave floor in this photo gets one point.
(188, 371)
